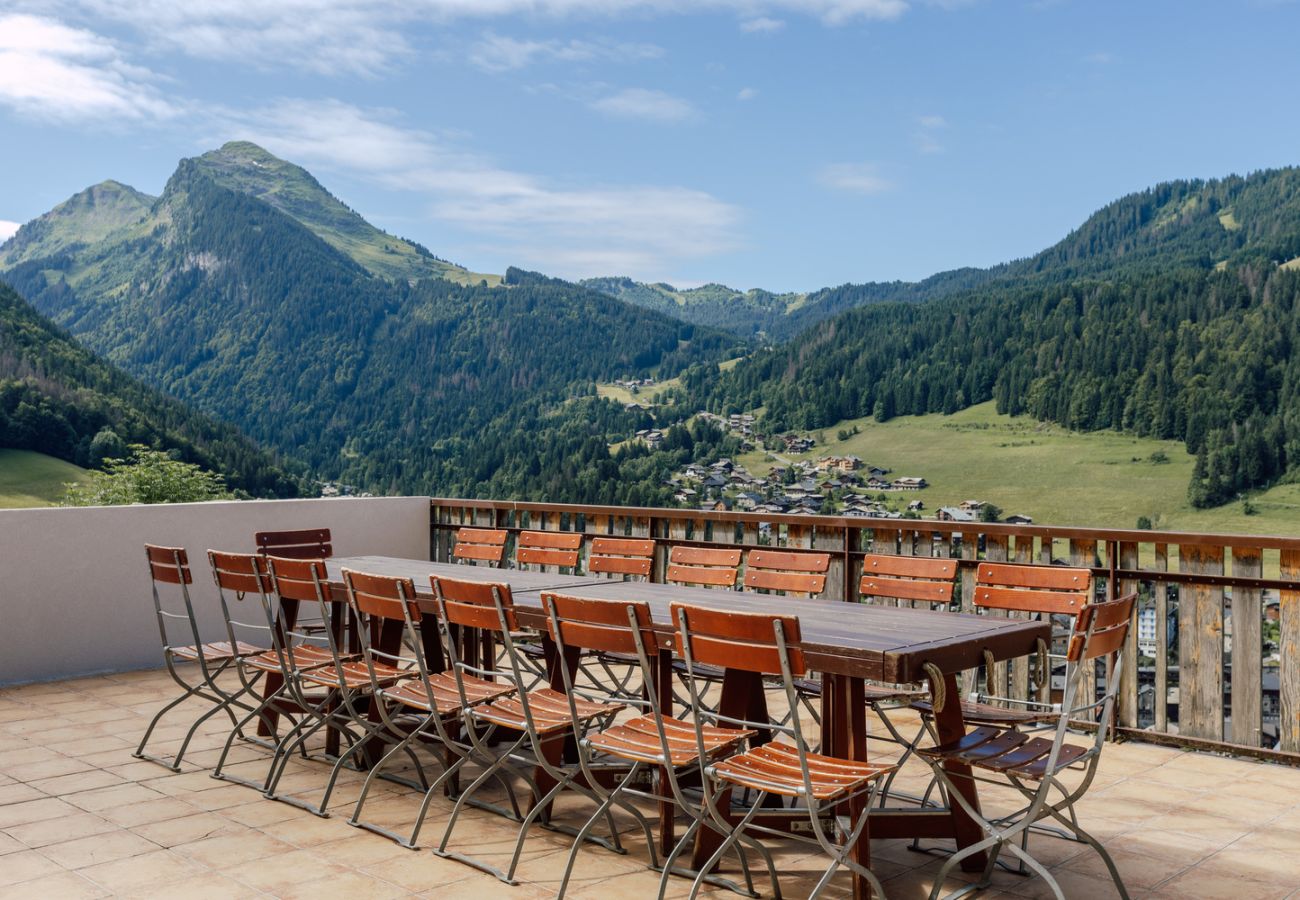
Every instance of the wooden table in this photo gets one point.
(848, 643)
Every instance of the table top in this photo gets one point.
(882, 643)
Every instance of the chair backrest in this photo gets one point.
(733, 640)
(473, 604)
(480, 545)
(382, 596)
(549, 548)
(306, 543)
(921, 578)
(782, 570)
(168, 565)
(602, 625)
(703, 566)
(243, 573)
(621, 556)
(1101, 630)
(298, 579)
(1053, 590)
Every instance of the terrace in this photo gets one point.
(1198, 798)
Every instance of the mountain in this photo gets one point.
(1223, 222)
(55, 396)
(1173, 313)
(231, 294)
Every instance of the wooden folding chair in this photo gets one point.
(548, 548)
(652, 739)
(703, 566)
(824, 788)
(541, 718)
(628, 558)
(424, 709)
(786, 572)
(480, 545)
(1031, 760)
(171, 566)
(621, 556)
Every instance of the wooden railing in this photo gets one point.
(1193, 587)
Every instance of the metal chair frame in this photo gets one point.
(524, 753)
(170, 565)
(784, 646)
(1100, 631)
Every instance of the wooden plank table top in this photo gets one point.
(881, 643)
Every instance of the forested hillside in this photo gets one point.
(1206, 357)
(240, 309)
(55, 397)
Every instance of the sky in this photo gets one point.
(781, 144)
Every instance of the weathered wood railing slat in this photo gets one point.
(1209, 582)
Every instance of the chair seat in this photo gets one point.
(988, 714)
(354, 675)
(216, 651)
(774, 768)
(549, 708)
(703, 671)
(303, 656)
(622, 659)
(442, 685)
(874, 693)
(1005, 750)
(637, 740)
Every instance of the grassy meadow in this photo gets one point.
(1059, 477)
(30, 479)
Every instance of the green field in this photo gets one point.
(33, 479)
(646, 397)
(1058, 477)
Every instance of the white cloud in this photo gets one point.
(641, 103)
(497, 53)
(748, 93)
(858, 178)
(1100, 58)
(7, 229)
(52, 71)
(926, 138)
(368, 36)
(761, 25)
(932, 122)
(570, 229)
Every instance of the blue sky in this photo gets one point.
(784, 144)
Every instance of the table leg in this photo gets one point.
(950, 726)
(274, 680)
(844, 734)
(553, 749)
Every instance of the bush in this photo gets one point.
(149, 476)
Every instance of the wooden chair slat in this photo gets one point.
(305, 543)
(1058, 602)
(703, 556)
(904, 589)
(480, 544)
(381, 595)
(241, 572)
(546, 557)
(557, 540)
(910, 567)
(293, 577)
(702, 575)
(735, 640)
(473, 603)
(619, 565)
(604, 546)
(788, 561)
(1059, 578)
(794, 582)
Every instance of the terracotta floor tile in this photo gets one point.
(63, 885)
(65, 828)
(100, 848)
(25, 865)
(64, 785)
(187, 830)
(33, 811)
(126, 877)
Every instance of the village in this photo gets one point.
(840, 485)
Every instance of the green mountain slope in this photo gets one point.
(85, 218)
(225, 300)
(1193, 223)
(1130, 323)
(55, 396)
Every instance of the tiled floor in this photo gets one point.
(80, 818)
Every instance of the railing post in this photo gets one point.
(1200, 645)
(1247, 687)
(1289, 665)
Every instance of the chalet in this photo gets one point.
(1018, 519)
(973, 506)
(916, 506)
(954, 514)
(910, 484)
(796, 444)
(876, 471)
(876, 484)
(715, 482)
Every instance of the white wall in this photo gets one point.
(74, 585)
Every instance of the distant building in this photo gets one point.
(954, 514)
(1018, 519)
(909, 484)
